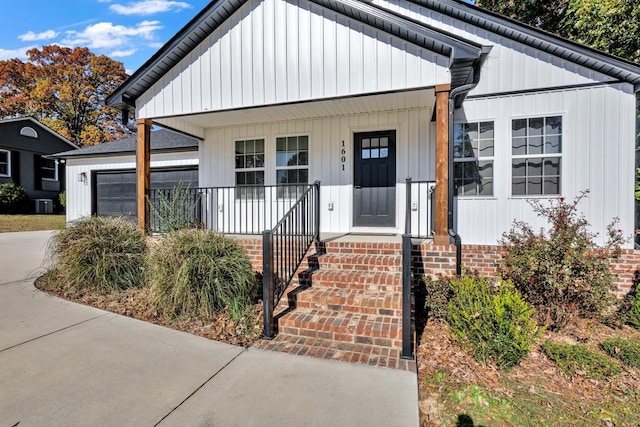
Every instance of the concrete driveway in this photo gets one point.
(64, 364)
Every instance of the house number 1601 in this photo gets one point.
(343, 157)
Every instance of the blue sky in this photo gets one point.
(129, 31)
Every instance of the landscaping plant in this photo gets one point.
(496, 325)
(625, 350)
(197, 273)
(100, 253)
(175, 209)
(561, 272)
(580, 359)
(13, 199)
(437, 293)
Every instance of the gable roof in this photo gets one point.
(463, 54)
(162, 140)
(41, 126)
(594, 59)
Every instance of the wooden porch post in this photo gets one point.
(441, 236)
(143, 159)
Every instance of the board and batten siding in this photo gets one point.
(272, 52)
(511, 65)
(598, 133)
(79, 195)
(415, 136)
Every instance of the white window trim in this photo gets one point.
(297, 167)
(513, 157)
(263, 169)
(8, 174)
(478, 159)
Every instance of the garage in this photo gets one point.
(115, 191)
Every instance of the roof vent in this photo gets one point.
(29, 132)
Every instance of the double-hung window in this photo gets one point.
(48, 169)
(292, 165)
(536, 156)
(5, 163)
(249, 169)
(473, 150)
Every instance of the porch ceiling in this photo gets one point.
(311, 109)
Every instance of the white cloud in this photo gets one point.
(20, 53)
(149, 7)
(105, 35)
(30, 36)
(123, 53)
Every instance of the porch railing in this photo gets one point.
(419, 223)
(283, 249)
(231, 210)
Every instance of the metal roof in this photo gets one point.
(161, 141)
(463, 53)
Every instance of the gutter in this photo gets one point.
(456, 96)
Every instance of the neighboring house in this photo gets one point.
(101, 179)
(362, 95)
(26, 146)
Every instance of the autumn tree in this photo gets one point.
(64, 88)
(547, 14)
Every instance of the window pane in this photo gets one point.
(519, 146)
(534, 167)
(48, 173)
(519, 128)
(259, 160)
(239, 162)
(249, 161)
(471, 131)
(486, 148)
(553, 144)
(292, 143)
(260, 179)
(485, 169)
(553, 125)
(486, 188)
(552, 185)
(303, 142)
(486, 130)
(281, 159)
(552, 167)
(471, 171)
(535, 126)
(303, 176)
(534, 186)
(303, 158)
(384, 142)
(281, 144)
(282, 177)
(240, 178)
(249, 146)
(384, 153)
(469, 189)
(259, 148)
(366, 154)
(458, 133)
(292, 158)
(240, 147)
(457, 170)
(518, 187)
(4, 169)
(518, 167)
(250, 178)
(375, 142)
(366, 143)
(375, 153)
(292, 176)
(535, 145)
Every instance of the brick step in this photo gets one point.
(367, 354)
(390, 281)
(360, 262)
(371, 248)
(382, 303)
(355, 328)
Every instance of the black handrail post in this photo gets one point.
(316, 239)
(407, 219)
(407, 352)
(268, 286)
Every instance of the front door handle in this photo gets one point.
(357, 187)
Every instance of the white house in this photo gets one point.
(101, 179)
(362, 95)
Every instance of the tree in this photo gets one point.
(65, 89)
(547, 15)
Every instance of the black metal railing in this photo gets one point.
(231, 210)
(284, 247)
(419, 223)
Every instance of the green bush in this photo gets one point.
(13, 199)
(198, 273)
(495, 326)
(175, 209)
(629, 309)
(574, 359)
(626, 351)
(101, 253)
(558, 272)
(437, 292)
(62, 199)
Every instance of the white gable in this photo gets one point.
(274, 51)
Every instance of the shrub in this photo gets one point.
(175, 209)
(558, 271)
(62, 199)
(496, 326)
(629, 308)
(101, 253)
(437, 292)
(198, 272)
(13, 199)
(579, 359)
(626, 351)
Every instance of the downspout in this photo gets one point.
(458, 91)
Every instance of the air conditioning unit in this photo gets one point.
(44, 206)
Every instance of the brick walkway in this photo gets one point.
(372, 355)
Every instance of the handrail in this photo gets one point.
(284, 248)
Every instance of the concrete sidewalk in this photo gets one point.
(66, 364)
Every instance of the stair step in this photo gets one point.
(390, 281)
(382, 303)
(356, 328)
(360, 262)
(371, 248)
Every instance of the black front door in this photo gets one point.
(374, 179)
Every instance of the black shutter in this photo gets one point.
(15, 167)
(37, 170)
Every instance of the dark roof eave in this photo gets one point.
(70, 155)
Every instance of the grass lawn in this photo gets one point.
(10, 223)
